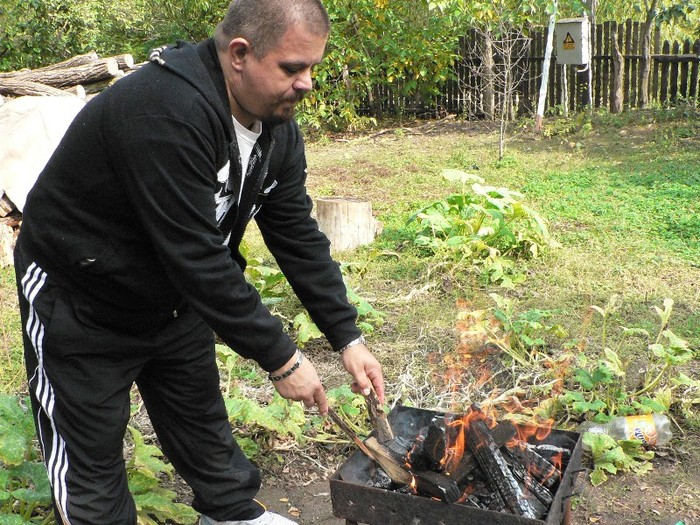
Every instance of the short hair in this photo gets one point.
(263, 22)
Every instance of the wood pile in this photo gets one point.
(83, 76)
(79, 76)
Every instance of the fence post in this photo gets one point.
(693, 93)
(616, 95)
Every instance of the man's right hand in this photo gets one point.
(302, 385)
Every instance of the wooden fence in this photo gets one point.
(673, 76)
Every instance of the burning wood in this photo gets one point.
(536, 465)
(501, 434)
(429, 450)
(494, 465)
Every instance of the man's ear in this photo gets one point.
(238, 50)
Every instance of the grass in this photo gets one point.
(12, 374)
(621, 194)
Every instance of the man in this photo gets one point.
(128, 262)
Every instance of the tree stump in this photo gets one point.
(7, 243)
(347, 222)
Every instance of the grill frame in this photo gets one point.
(355, 501)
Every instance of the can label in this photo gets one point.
(642, 428)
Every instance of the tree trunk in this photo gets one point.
(616, 88)
(539, 117)
(646, 56)
(489, 92)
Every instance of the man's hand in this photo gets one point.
(365, 370)
(302, 385)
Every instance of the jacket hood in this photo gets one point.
(199, 65)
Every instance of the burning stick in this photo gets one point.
(493, 464)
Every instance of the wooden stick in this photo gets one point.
(345, 428)
(388, 462)
(378, 418)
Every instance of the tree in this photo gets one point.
(379, 48)
(539, 116)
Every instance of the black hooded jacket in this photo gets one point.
(123, 216)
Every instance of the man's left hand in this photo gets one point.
(365, 370)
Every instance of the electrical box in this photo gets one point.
(572, 36)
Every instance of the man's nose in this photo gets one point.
(304, 81)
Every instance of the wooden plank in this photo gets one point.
(693, 92)
(598, 69)
(605, 88)
(633, 60)
(388, 462)
(665, 67)
(684, 71)
(626, 48)
(673, 92)
(656, 67)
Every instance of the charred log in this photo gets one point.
(436, 485)
(501, 434)
(494, 465)
(539, 467)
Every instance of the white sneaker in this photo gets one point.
(268, 518)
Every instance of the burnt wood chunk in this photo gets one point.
(399, 445)
(436, 485)
(531, 484)
(494, 466)
(429, 449)
(501, 434)
(539, 467)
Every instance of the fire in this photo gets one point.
(456, 437)
(539, 432)
(472, 352)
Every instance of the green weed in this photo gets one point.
(486, 225)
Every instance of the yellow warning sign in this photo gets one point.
(569, 43)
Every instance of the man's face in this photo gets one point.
(268, 88)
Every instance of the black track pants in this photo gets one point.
(80, 376)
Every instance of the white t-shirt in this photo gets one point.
(246, 141)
